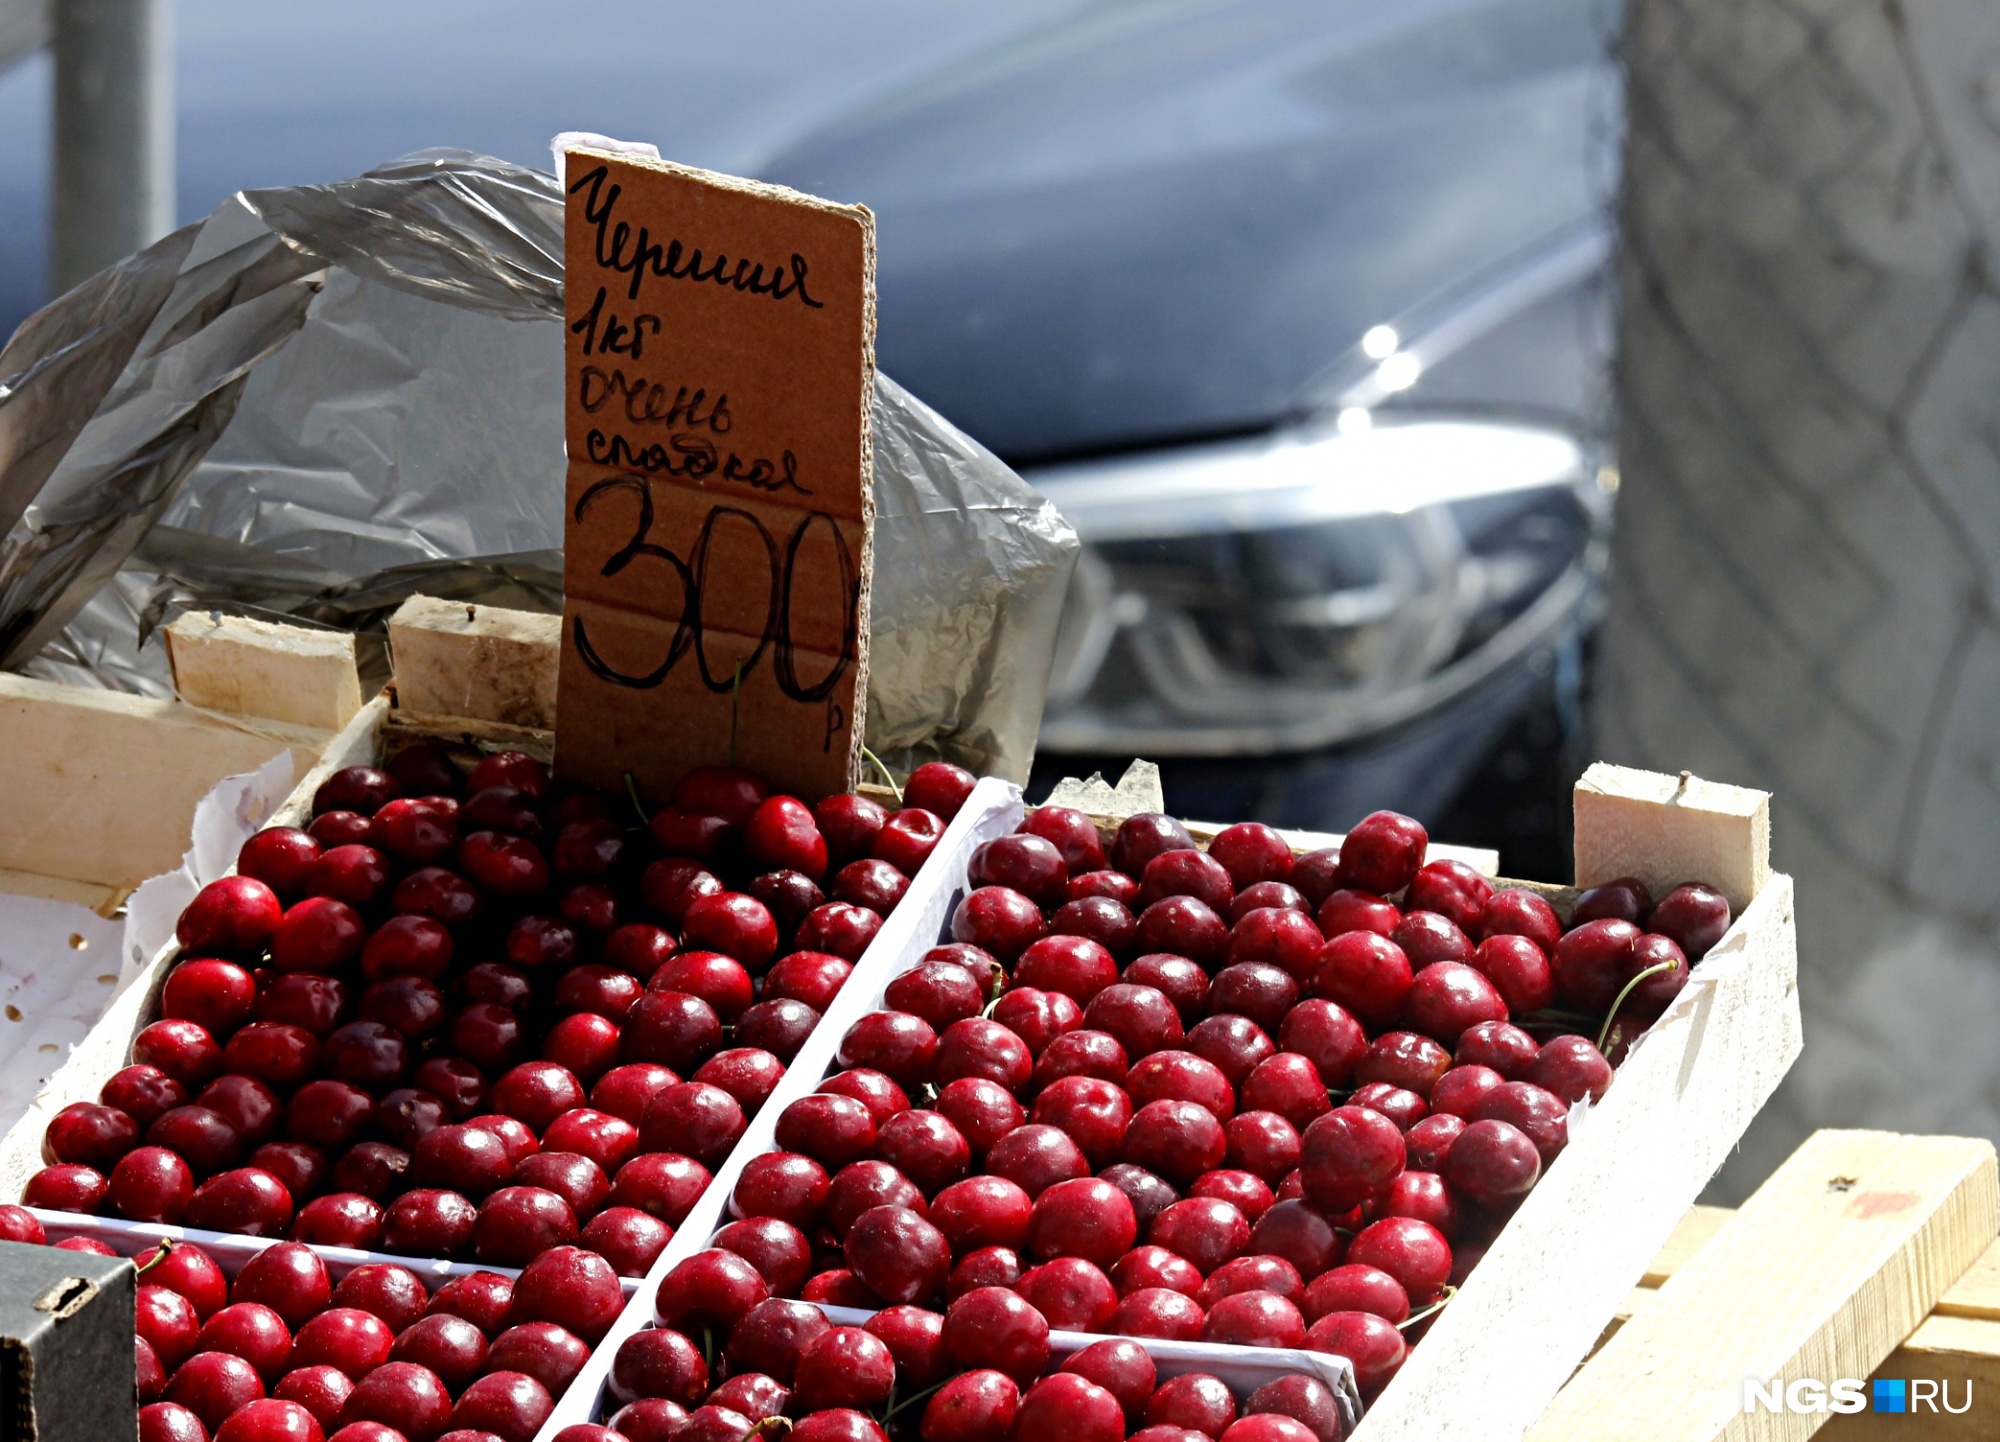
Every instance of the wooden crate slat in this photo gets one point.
(1834, 1261)
(248, 667)
(1666, 830)
(478, 663)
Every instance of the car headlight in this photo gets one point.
(1315, 584)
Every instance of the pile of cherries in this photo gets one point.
(282, 1353)
(1228, 1096)
(484, 1016)
(978, 1373)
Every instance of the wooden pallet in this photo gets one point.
(1867, 1255)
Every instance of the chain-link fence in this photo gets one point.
(1803, 585)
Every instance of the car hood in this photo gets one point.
(1150, 221)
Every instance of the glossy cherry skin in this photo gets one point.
(182, 1049)
(1108, 922)
(627, 1238)
(482, 1298)
(939, 787)
(1085, 1217)
(1072, 833)
(1448, 998)
(779, 1027)
(734, 924)
(550, 1354)
(1590, 962)
(1519, 970)
(213, 1386)
(907, 838)
(573, 1288)
(900, 1255)
(1073, 1294)
(1371, 1343)
(1070, 1406)
(1539, 1113)
(941, 992)
(1367, 975)
(1281, 938)
(511, 1405)
(1194, 1400)
(307, 1000)
(1142, 1018)
(67, 1187)
(1113, 885)
(1268, 895)
(981, 1111)
(1414, 1252)
(1093, 1112)
(979, 1046)
(784, 1185)
(1025, 863)
(344, 1219)
(672, 1028)
(696, 1120)
(1142, 837)
(1348, 1155)
(1571, 1067)
(1346, 910)
(91, 1134)
(167, 1323)
(815, 978)
(1254, 1319)
(1038, 1017)
(995, 1327)
(1184, 926)
(1493, 1163)
(288, 1278)
(902, 1046)
(843, 1367)
(999, 920)
(1383, 852)
(232, 916)
(410, 1398)
(1460, 1090)
(191, 1272)
(976, 1406)
(247, 1200)
(849, 824)
(1668, 966)
(925, 1147)
(18, 1224)
(281, 857)
(1177, 1139)
(1694, 916)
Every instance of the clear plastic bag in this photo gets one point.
(321, 400)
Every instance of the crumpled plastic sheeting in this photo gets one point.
(324, 399)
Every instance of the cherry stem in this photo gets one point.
(632, 790)
(888, 776)
(776, 1422)
(1654, 970)
(908, 1402)
(1431, 1311)
(159, 1256)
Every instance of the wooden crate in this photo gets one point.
(102, 785)
(1867, 1255)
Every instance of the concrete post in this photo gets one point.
(113, 181)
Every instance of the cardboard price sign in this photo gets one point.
(720, 523)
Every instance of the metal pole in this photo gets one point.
(113, 172)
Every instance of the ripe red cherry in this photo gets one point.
(1149, 1195)
(1288, 1084)
(1267, 895)
(322, 1391)
(1348, 1155)
(1591, 962)
(1356, 1288)
(1185, 873)
(536, 1092)
(1414, 1252)
(1300, 1234)
(281, 857)
(1538, 1113)
(939, 787)
(1448, 998)
(839, 927)
(1036, 1157)
(1424, 1197)
(1179, 1140)
(1460, 1090)
(992, 1327)
(1427, 937)
(1158, 1312)
(189, 1271)
(183, 1050)
(900, 1045)
(849, 823)
(1452, 890)
(609, 1141)
(534, 942)
(749, 1074)
(1368, 975)
(1654, 953)
(1092, 1111)
(1195, 1401)
(627, 1238)
(941, 992)
(247, 1200)
(1141, 1017)
(90, 1133)
(1070, 1406)
(1036, 1016)
(661, 1362)
(1430, 1140)
(734, 924)
(66, 1187)
(976, 1406)
(719, 980)
(442, 895)
(1252, 852)
(1262, 1143)
(167, 1323)
(1072, 833)
(150, 1184)
(860, 1186)
(1109, 923)
(288, 1278)
(1383, 852)
(482, 1298)
(1142, 837)
(1085, 1217)
(252, 1331)
(214, 993)
(1112, 885)
(550, 1354)
(1404, 1059)
(1023, 862)
(671, 1028)
(214, 1386)
(907, 838)
(346, 1338)
(726, 791)
(601, 990)
(1256, 989)
(453, 1081)
(843, 1367)
(142, 1093)
(832, 1130)
(232, 916)
(1371, 1343)
(571, 1287)
(784, 1185)
(981, 1111)
(1571, 1067)
(1625, 899)
(1694, 916)
(516, 1224)
(625, 1091)
(1519, 971)
(510, 1405)
(1253, 1273)
(979, 1046)
(344, 1219)
(1182, 1076)
(407, 1005)
(509, 866)
(449, 1346)
(1095, 1054)
(778, 1250)
(1348, 910)
(428, 1222)
(1207, 1231)
(1280, 938)
(403, 1395)
(1154, 1267)
(1184, 926)
(1255, 1319)
(306, 1000)
(812, 977)
(999, 920)
(1515, 912)
(925, 1147)
(901, 1256)
(320, 934)
(696, 1120)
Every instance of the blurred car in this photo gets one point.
(1299, 310)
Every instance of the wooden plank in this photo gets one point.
(1835, 1259)
(1666, 830)
(102, 785)
(1693, 1232)
(477, 663)
(99, 898)
(247, 667)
